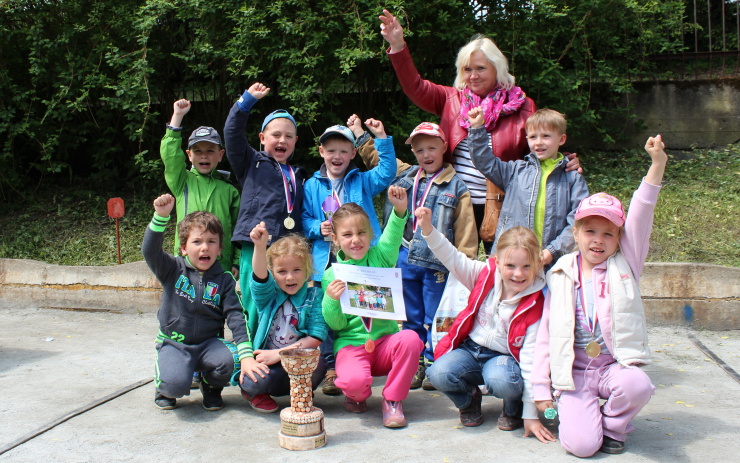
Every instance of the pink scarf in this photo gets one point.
(494, 104)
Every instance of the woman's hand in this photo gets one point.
(391, 31)
(535, 428)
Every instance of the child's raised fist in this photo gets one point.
(259, 235)
(163, 205)
(355, 125)
(424, 219)
(181, 107)
(397, 197)
(376, 128)
(258, 90)
(656, 149)
(475, 117)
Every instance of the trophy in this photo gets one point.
(329, 206)
(301, 425)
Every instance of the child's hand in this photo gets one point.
(397, 197)
(391, 31)
(163, 205)
(574, 163)
(267, 357)
(181, 107)
(546, 257)
(325, 228)
(656, 149)
(535, 428)
(259, 235)
(424, 220)
(355, 125)
(335, 289)
(376, 128)
(252, 368)
(235, 272)
(258, 90)
(475, 116)
(543, 405)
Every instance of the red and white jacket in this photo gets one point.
(485, 285)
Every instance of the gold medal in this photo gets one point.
(593, 349)
(369, 346)
(289, 223)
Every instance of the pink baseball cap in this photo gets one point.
(427, 128)
(603, 205)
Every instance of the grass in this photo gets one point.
(694, 221)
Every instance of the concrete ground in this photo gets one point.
(55, 362)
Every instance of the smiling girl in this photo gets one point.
(289, 316)
(491, 342)
(366, 347)
(593, 334)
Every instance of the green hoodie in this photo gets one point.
(349, 329)
(209, 193)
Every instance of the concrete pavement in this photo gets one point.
(56, 362)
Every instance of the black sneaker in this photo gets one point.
(612, 446)
(164, 403)
(212, 400)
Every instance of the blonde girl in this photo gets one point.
(366, 347)
(289, 316)
(593, 334)
(491, 342)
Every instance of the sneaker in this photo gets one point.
(329, 387)
(421, 373)
(262, 403)
(197, 379)
(509, 423)
(612, 446)
(354, 407)
(164, 403)
(471, 415)
(427, 385)
(393, 414)
(212, 400)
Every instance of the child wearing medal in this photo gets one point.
(366, 347)
(593, 335)
(339, 181)
(433, 184)
(271, 189)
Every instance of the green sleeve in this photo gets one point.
(173, 157)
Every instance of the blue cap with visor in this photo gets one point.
(277, 114)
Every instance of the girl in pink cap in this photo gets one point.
(593, 335)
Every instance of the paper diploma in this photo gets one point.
(371, 292)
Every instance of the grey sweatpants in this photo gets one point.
(176, 363)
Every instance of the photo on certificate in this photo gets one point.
(371, 292)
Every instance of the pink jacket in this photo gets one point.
(633, 246)
(509, 137)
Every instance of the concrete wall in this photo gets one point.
(702, 114)
(697, 295)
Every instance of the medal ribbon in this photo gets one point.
(289, 186)
(423, 198)
(367, 322)
(585, 320)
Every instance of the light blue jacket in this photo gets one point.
(359, 187)
(268, 298)
(520, 180)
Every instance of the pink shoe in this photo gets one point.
(393, 414)
(263, 403)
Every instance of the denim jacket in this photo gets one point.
(521, 181)
(452, 215)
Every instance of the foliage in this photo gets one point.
(88, 85)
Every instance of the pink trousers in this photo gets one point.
(583, 422)
(395, 355)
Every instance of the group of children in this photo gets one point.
(579, 331)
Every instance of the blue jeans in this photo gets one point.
(459, 372)
(422, 291)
